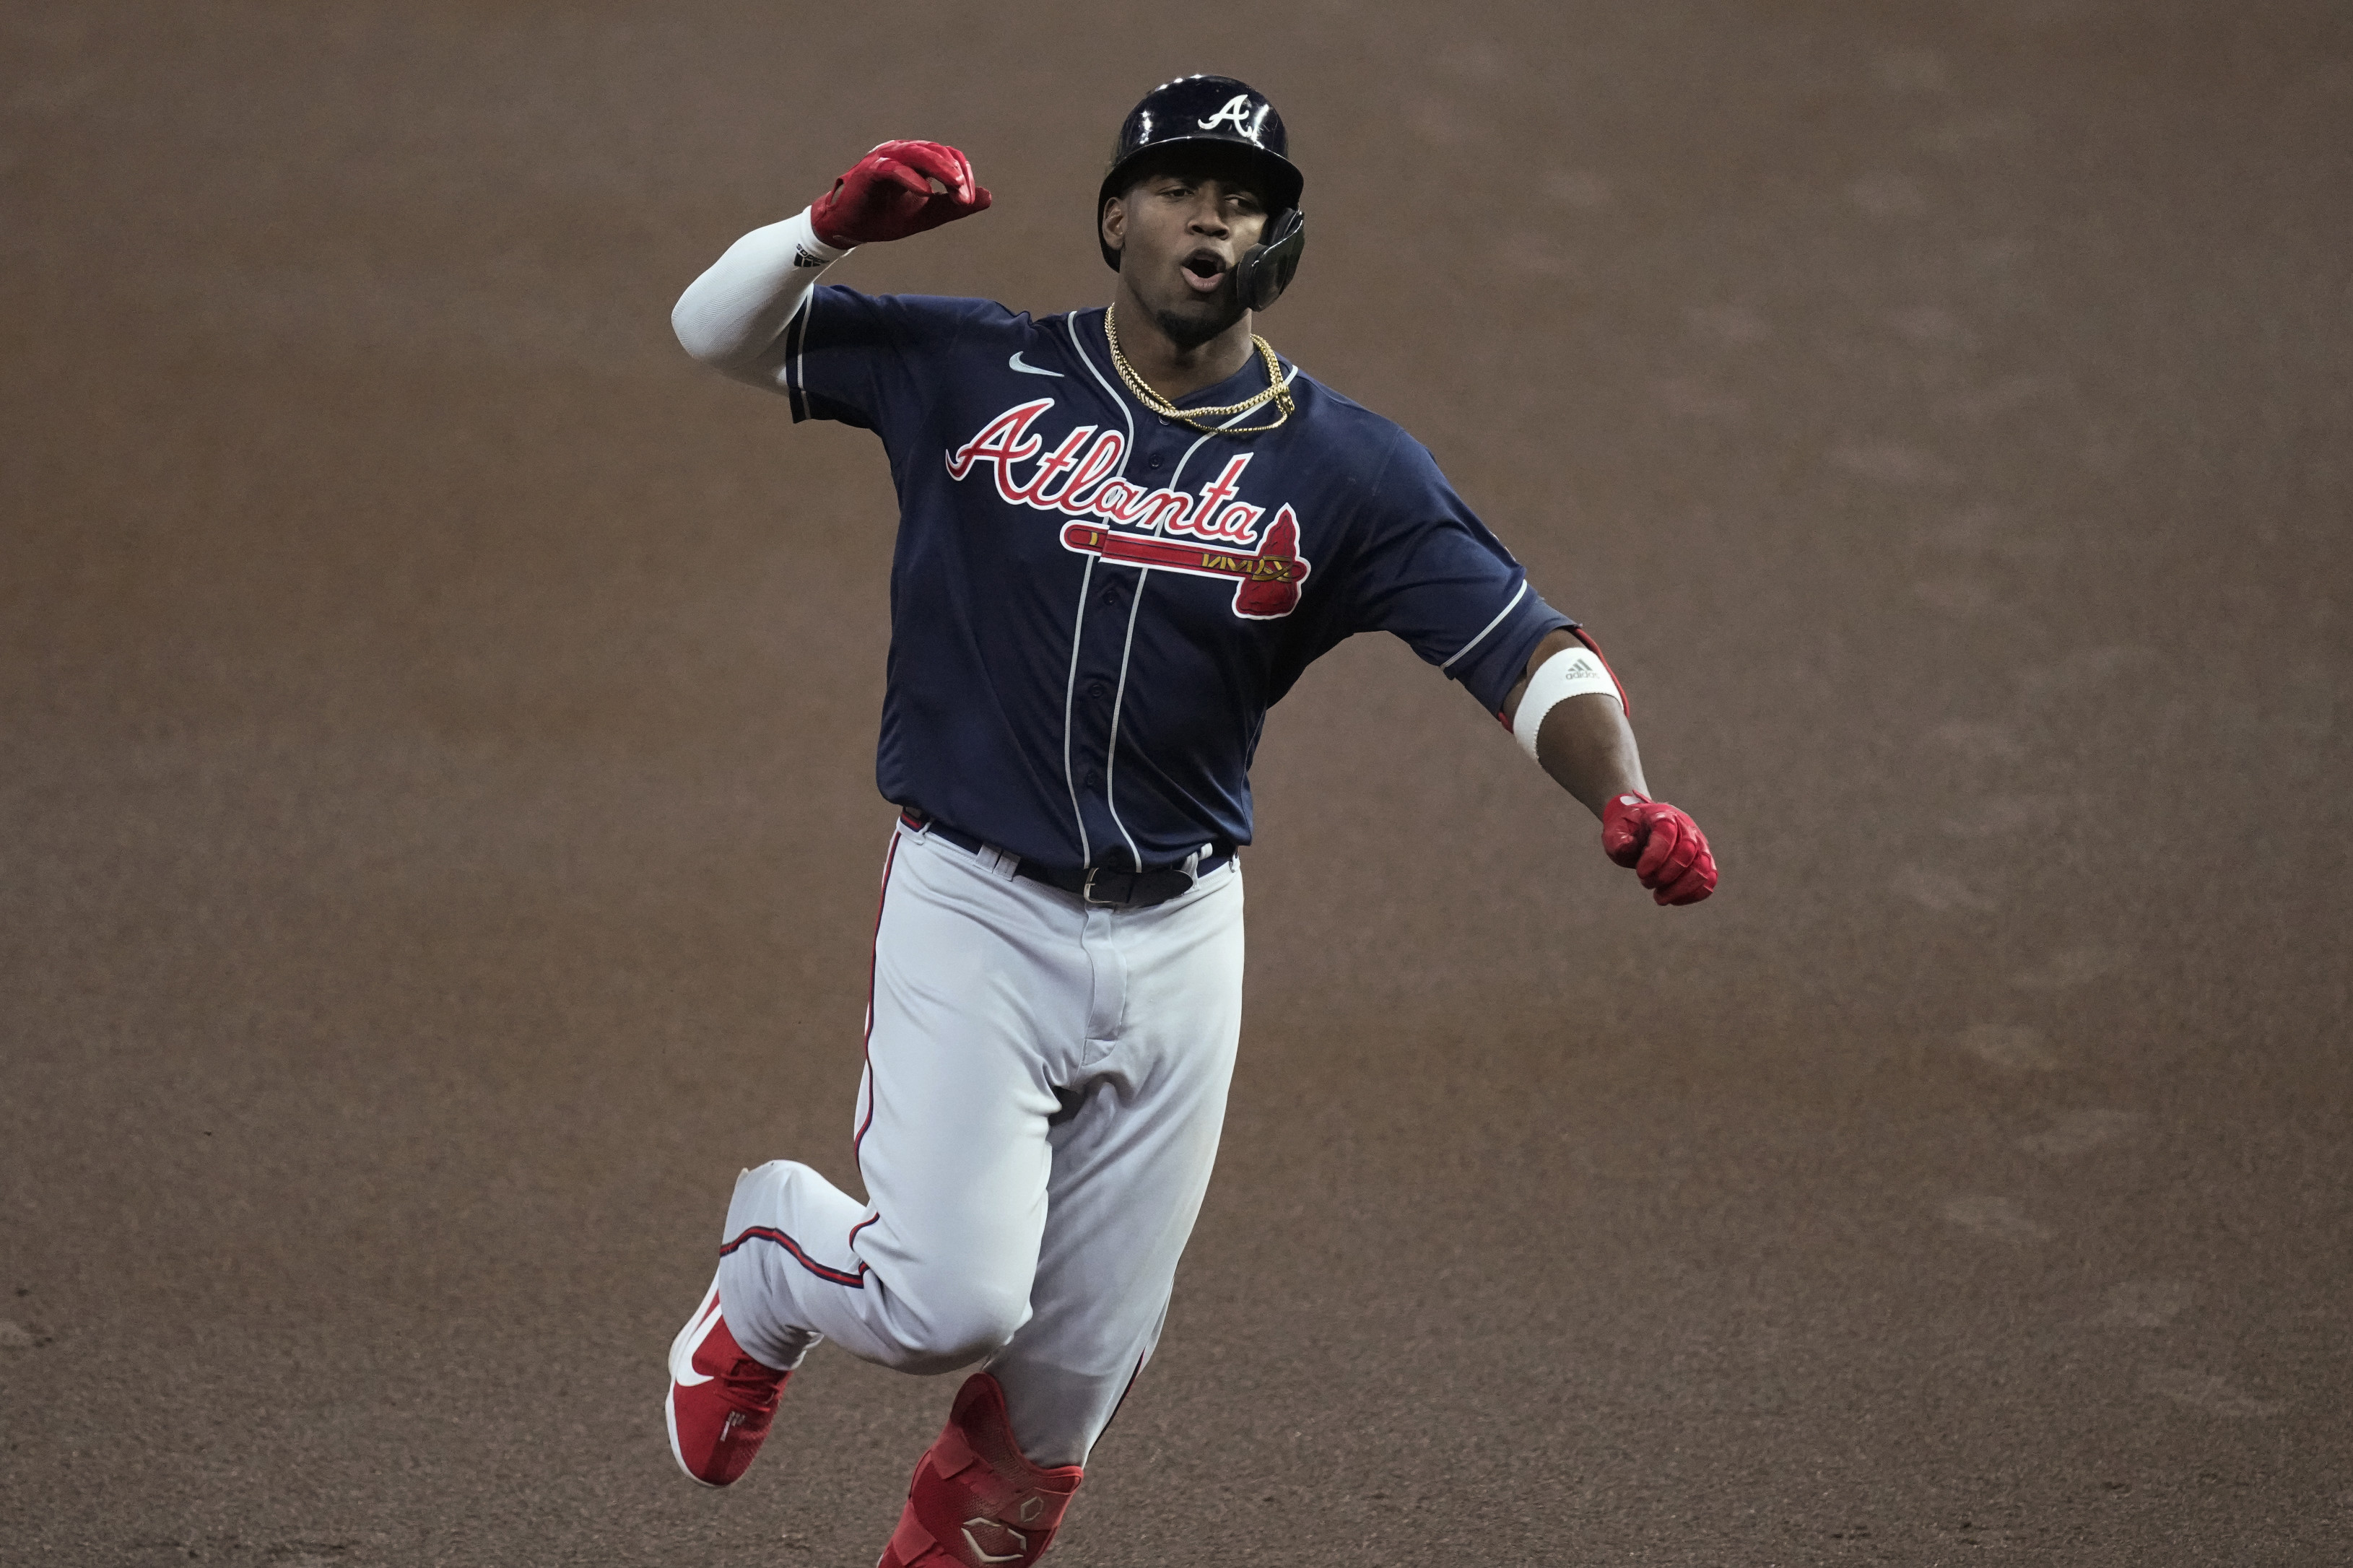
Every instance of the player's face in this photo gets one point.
(1180, 235)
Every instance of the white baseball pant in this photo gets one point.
(1045, 1083)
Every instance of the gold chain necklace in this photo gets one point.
(1276, 392)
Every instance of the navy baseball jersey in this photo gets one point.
(1092, 606)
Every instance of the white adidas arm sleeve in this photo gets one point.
(733, 317)
(1571, 672)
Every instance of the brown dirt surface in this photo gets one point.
(440, 835)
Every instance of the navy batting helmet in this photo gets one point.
(1217, 112)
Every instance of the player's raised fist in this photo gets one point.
(1662, 844)
(888, 195)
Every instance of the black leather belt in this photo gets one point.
(1095, 884)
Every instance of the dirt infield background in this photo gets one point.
(437, 837)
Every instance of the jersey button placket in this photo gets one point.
(1091, 719)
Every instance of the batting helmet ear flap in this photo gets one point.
(1266, 267)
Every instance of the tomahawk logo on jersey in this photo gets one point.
(1073, 572)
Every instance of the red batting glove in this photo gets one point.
(1664, 845)
(889, 196)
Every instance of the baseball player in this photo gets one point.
(1124, 533)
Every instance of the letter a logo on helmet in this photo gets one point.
(1236, 109)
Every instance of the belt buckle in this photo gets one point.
(1087, 890)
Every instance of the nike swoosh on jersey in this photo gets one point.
(1026, 368)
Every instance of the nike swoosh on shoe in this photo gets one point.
(689, 1340)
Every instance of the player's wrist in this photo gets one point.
(811, 249)
(1620, 803)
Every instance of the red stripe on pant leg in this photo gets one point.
(1124, 1393)
(769, 1233)
(873, 963)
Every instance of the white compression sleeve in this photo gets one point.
(733, 317)
(1571, 672)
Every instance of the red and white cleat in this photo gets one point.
(976, 1501)
(721, 1400)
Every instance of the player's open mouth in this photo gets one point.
(1204, 270)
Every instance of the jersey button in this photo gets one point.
(1156, 462)
(1098, 691)
(1094, 778)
